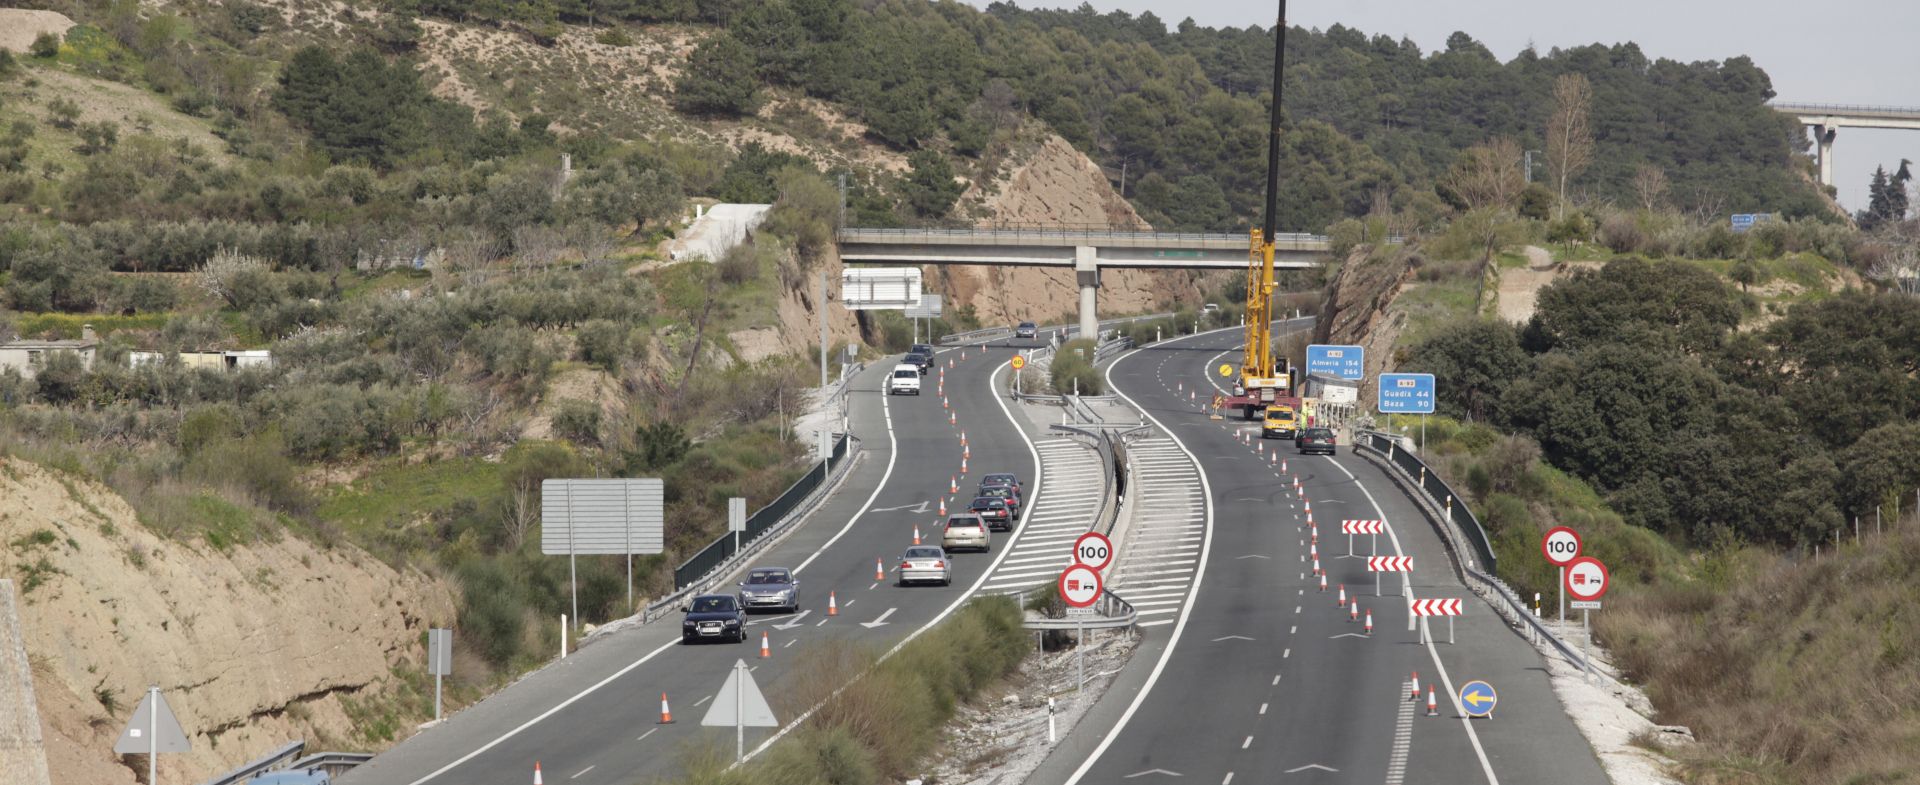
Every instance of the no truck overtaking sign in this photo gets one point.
(1080, 585)
(1587, 579)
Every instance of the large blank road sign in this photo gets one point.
(929, 308)
(609, 517)
(882, 288)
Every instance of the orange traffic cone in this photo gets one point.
(536, 773)
(963, 438)
(833, 604)
(944, 404)
(1343, 595)
(951, 419)
(1314, 552)
(916, 534)
(953, 484)
(879, 574)
(1323, 583)
(1283, 469)
(1433, 707)
(963, 466)
(1316, 536)
(764, 651)
(943, 508)
(1369, 621)
(666, 715)
(1316, 567)
(1414, 695)
(965, 452)
(1353, 610)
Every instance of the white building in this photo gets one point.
(28, 356)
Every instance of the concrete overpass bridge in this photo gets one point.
(1826, 120)
(1086, 251)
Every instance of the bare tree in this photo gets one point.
(1488, 175)
(519, 515)
(1569, 132)
(220, 272)
(1650, 185)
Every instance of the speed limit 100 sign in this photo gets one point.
(1561, 545)
(1586, 579)
(1093, 549)
(1079, 585)
(1019, 361)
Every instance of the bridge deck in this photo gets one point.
(1040, 237)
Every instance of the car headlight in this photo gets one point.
(687, 623)
(733, 622)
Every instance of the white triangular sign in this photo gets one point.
(752, 706)
(147, 732)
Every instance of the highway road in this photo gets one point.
(1261, 678)
(593, 719)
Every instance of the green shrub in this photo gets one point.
(1073, 369)
(577, 422)
(45, 46)
(604, 343)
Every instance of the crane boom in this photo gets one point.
(1260, 381)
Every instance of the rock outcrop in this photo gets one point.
(1357, 308)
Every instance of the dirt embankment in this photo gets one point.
(1358, 309)
(1058, 186)
(254, 645)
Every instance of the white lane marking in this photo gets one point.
(1193, 591)
(1247, 743)
(893, 452)
(790, 643)
(1285, 654)
(1292, 630)
(1263, 708)
(1039, 470)
(582, 771)
(1276, 680)
(643, 736)
(703, 700)
(1402, 742)
(1228, 780)
(1406, 579)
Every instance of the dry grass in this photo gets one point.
(1788, 669)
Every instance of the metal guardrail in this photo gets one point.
(1014, 232)
(271, 761)
(333, 763)
(719, 558)
(1110, 612)
(1436, 489)
(1421, 488)
(971, 335)
(1796, 108)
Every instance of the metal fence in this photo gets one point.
(1437, 490)
(283, 757)
(761, 521)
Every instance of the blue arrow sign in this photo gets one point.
(1346, 362)
(1406, 393)
(1479, 698)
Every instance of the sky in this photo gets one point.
(1816, 52)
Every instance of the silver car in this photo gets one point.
(966, 531)
(770, 587)
(925, 563)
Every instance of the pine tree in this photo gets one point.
(1897, 191)
(719, 79)
(1877, 206)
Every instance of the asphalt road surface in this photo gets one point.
(593, 719)
(1262, 678)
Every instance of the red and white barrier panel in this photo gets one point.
(1436, 607)
(1363, 527)
(1390, 563)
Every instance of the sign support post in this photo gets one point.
(573, 562)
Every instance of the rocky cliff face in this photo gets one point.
(1357, 309)
(254, 645)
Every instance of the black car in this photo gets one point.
(1002, 478)
(1006, 492)
(1312, 440)
(714, 617)
(770, 587)
(922, 348)
(995, 512)
(922, 361)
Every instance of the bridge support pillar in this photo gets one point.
(1086, 272)
(1823, 144)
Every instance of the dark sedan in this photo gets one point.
(995, 512)
(770, 587)
(713, 617)
(922, 361)
(1004, 492)
(1312, 440)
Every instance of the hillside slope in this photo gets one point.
(254, 645)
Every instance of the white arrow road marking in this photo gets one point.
(920, 508)
(1346, 635)
(1232, 638)
(1153, 771)
(880, 622)
(794, 622)
(1309, 767)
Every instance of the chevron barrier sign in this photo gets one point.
(1390, 563)
(1437, 607)
(1363, 527)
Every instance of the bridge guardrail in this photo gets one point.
(272, 761)
(1011, 232)
(971, 335)
(1799, 107)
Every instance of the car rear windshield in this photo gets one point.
(923, 553)
(1319, 433)
(963, 523)
(767, 576)
(989, 504)
(906, 373)
(712, 604)
(997, 491)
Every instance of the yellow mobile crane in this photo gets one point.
(1265, 379)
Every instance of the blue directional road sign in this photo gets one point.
(1406, 393)
(1346, 362)
(1479, 698)
(1745, 221)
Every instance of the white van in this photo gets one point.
(905, 380)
